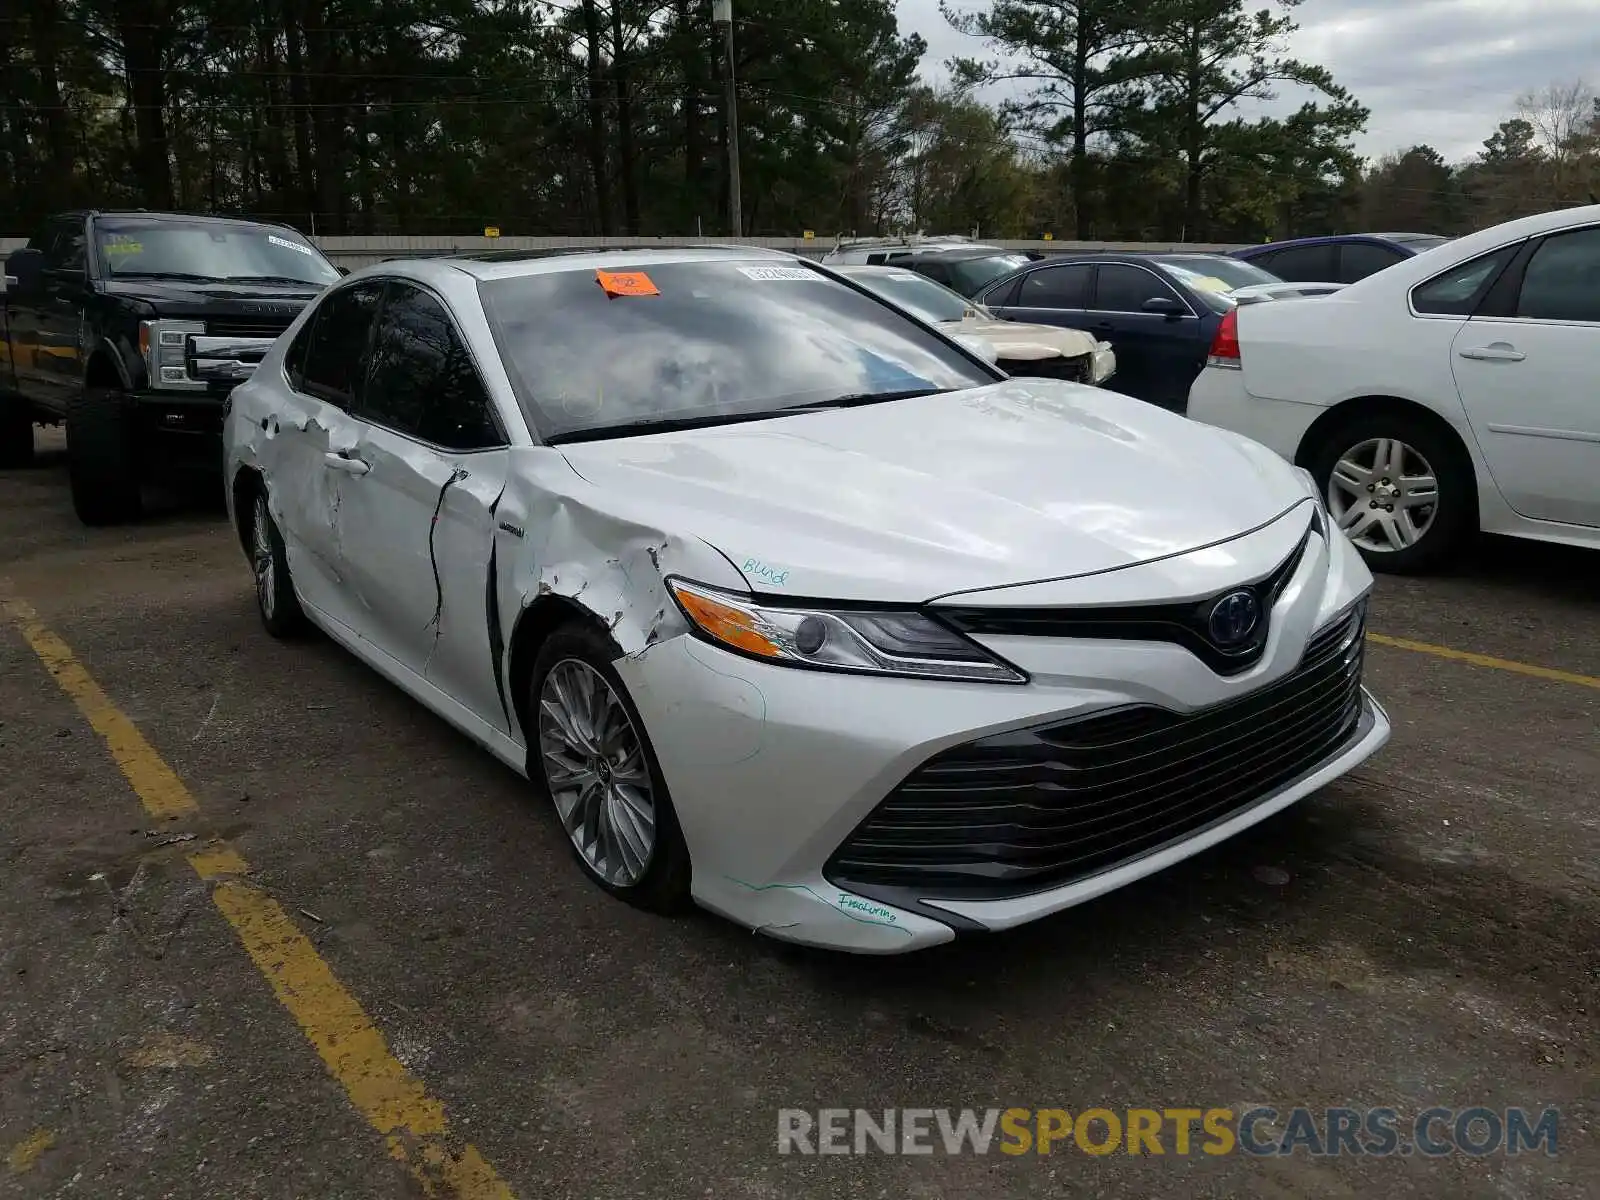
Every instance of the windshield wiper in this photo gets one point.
(856, 399)
(269, 279)
(165, 275)
(673, 424)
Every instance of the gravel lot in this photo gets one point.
(1425, 933)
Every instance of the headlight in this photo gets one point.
(1323, 519)
(874, 642)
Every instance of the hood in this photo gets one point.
(1030, 479)
(266, 303)
(1018, 340)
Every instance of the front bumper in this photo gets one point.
(180, 432)
(773, 769)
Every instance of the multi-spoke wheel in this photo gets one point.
(1398, 488)
(594, 758)
(275, 598)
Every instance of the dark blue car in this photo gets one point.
(1159, 312)
(1343, 258)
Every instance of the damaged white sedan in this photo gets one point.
(789, 603)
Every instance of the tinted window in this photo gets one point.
(969, 276)
(937, 271)
(336, 355)
(1304, 264)
(68, 245)
(1357, 260)
(1562, 282)
(1122, 288)
(1056, 287)
(129, 246)
(705, 340)
(1002, 294)
(421, 381)
(1457, 291)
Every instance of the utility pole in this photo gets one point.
(722, 14)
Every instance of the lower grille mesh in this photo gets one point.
(1032, 809)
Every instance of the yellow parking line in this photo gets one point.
(1485, 660)
(393, 1101)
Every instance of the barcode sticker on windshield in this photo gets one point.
(778, 273)
(278, 241)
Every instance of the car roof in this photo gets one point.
(487, 265)
(140, 214)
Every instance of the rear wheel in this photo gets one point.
(1399, 488)
(102, 457)
(16, 433)
(594, 760)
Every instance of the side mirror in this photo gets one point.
(341, 270)
(981, 347)
(1164, 305)
(23, 268)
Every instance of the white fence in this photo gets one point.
(353, 252)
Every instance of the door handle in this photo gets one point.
(346, 463)
(1497, 353)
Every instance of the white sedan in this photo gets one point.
(788, 603)
(1449, 393)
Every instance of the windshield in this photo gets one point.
(929, 300)
(705, 340)
(1207, 272)
(207, 250)
(972, 275)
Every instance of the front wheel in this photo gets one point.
(269, 563)
(593, 757)
(1400, 489)
(102, 457)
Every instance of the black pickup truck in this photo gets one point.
(131, 328)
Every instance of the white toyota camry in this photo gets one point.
(789, 603)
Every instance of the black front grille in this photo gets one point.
(1186, 624)
(1073, 370)
(1019, 812)
(246, 327)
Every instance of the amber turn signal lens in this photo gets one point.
(725, 623)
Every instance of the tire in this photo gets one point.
(16, 433)
(660, 881)
(1438, 529)
(269, 564)
(102, 457)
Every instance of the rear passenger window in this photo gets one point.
(1456, 293)
(422, 381)
(1357, 260)
(1056, 287)
(336, 350)
(1562, 282)
(1304, 264)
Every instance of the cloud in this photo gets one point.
(1440, 72)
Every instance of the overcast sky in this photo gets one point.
(1443, 72)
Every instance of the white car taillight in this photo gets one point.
(1224, 350)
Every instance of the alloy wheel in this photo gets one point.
(263, 559)
(594, 766)
(1384, 494)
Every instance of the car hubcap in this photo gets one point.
(594, 766)
(1383, 494)
(261, 555)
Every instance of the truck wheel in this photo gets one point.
(102, 461)
(16, 433)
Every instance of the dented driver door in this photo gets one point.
(416, 517)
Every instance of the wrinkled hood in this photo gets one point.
(1030, 479)
(270, 303)
(1020, 340)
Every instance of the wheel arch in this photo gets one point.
(532, 629)
(105, 370)
(244, 486)
(1360, 407)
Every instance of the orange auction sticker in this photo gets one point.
(626, 283)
